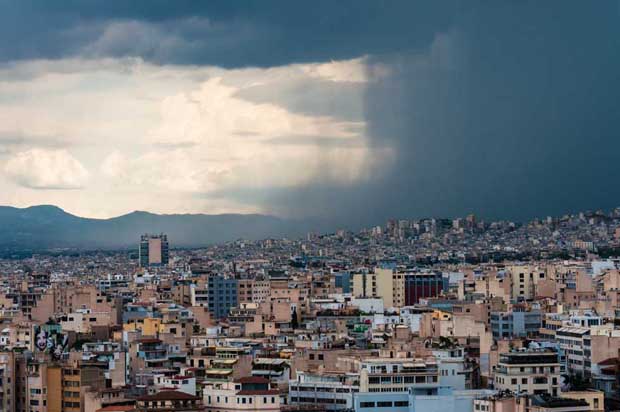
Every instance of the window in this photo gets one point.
(367, 404)
(401, 403)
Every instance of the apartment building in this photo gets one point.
(382, 283)
(398, 374)
(244, 290)
(528, 372)
(516, 323)
(246, 394)
(166, 401)
(576, 343)
(154, 250)
(420, 285)
(390, 383)
(524, 279)
(260, 290)
(594, 398)
(222, 295)
(332, 391)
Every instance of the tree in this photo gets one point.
(294, 321)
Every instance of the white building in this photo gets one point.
(452, 368)
(576, 343)
(331, 391)
(246, 394)
(185, 384)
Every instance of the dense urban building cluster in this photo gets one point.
(412, 316)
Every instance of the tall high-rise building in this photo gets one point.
(153, 250)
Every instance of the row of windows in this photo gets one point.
(401, 379)
(383, 404)
(395, 389)
(318, 400)
(241, 400)
(537, 380)
(322, 389)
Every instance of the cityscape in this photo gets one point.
(432, 314)
(309, 206)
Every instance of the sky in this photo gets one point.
(351, 112)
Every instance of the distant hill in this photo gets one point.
(49, 227)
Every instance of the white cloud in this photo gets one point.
(214, 113)
(46, 169)
(159, 137)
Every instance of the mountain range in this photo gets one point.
(49, 227)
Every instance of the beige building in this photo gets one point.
(595, 399)
(383, 283)
(524, 279)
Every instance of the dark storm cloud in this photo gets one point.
(223, 33)
(507, 109)
(513, 112)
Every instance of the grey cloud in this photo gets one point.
(10, 142)
(319, 141)
(514, 112)
(223, 33)
(312, 97)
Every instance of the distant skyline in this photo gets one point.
(323, 226)
(351, 111)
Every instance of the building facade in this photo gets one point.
(153, 250)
